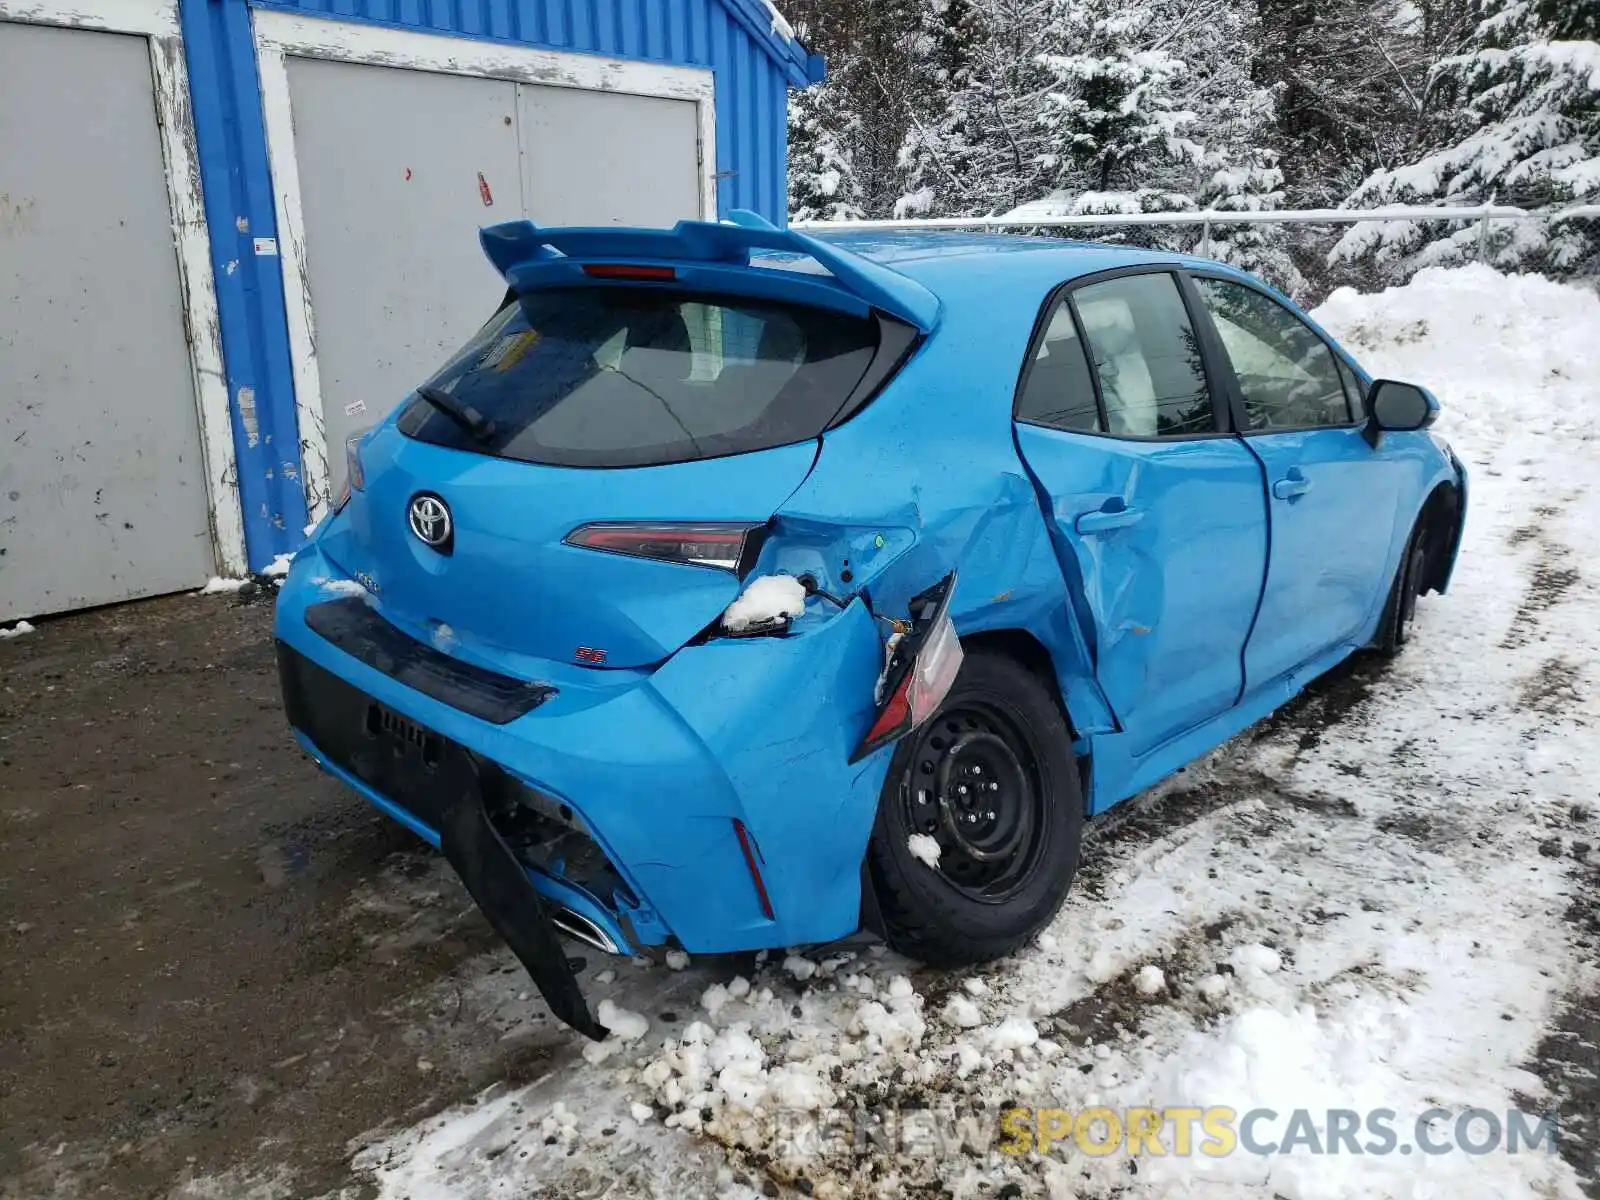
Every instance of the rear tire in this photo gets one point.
(1400, 611)
(993, 780)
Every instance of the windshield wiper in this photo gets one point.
(474, 422)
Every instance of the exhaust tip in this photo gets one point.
(581, 929)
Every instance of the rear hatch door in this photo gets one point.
(687, 417)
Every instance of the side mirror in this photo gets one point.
(1399, 408)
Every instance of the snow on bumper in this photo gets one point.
(658, 766)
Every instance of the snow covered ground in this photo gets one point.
(1362, 904)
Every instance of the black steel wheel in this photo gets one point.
(1400, 611)
(974, 788)
(992, 780)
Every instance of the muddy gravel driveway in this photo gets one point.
(207, 942)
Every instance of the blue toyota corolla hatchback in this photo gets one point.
(736, 589)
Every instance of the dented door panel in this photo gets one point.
(1168, 543)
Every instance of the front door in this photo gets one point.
(1332, 502)
(1156, 515)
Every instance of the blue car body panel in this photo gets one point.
(1177, 595)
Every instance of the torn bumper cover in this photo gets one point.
(501, 887)
(438, 781)
(708, 803)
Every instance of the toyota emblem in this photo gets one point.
(430, 521)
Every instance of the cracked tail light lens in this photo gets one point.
(719, 546)
(922, 684)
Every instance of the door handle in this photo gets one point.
(1294, 486)
(1103, 519)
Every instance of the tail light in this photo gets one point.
(921, 673)
(721, 546)
(354, 471)
(355, 475)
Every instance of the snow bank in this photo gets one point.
(217, 585)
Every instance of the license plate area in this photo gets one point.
(404, 737)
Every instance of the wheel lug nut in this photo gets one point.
(961, 790)
(994, 787)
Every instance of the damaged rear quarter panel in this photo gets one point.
(781, 715)
(927, 480)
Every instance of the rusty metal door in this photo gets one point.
(102, 486)
(398, 170)
(605, 158)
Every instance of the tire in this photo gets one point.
(999, 728)
(1400, 610)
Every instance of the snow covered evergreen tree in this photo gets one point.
(1115, 105)
(1527, 132)
(978, 148)
(823, 183)
(855, 123)
(1049, 108)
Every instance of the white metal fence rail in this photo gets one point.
(1483, 214)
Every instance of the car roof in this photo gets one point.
(939, 258)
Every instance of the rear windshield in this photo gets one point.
(619, 377)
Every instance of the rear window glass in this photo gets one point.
(615, 377)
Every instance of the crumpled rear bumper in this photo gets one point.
(662, 768)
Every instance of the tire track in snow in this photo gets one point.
(1559, 695)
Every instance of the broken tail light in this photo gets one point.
(709, 545)
(921, 672)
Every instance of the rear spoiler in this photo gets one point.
(529, 256)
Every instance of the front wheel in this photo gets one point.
(1400, 612)
(980, 820)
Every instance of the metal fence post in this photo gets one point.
(1483, 232)
(1205, 238)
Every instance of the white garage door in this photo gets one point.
(398, 170)
(102, 487)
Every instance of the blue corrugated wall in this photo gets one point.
(753, 72)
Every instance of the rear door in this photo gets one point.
(1332, 498)
(1156, 513)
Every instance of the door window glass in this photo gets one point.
(1059, 390)
(1353, 391)
(1146, 357)
(1286, 372)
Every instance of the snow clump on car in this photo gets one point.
(766, 600)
